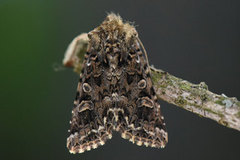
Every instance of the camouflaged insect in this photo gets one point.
(115, 91)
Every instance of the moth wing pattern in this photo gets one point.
(115, 91)
(146, 125)
(87, 129)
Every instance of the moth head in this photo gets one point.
(113, 28)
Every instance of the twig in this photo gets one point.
(192, 97)
(197, 99)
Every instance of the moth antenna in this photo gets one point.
(144, 50)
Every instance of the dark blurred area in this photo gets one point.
(194, 40)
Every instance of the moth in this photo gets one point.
(115, 90)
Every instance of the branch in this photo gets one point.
(192, 97)
(197, 99)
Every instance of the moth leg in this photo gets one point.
(87, 130)
(146, 126)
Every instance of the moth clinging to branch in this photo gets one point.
(115, 90)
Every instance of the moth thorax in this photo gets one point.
(112, 58)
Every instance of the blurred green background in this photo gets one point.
(197, 41)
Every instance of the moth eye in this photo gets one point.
(142, 84)
(86, 87)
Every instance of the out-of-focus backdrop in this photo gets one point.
(195, 40)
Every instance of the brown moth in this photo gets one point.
(115, 91)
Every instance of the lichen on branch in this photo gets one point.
(197, 98)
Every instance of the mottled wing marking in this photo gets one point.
(145, 125)
(87, 129)
(115, 92)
